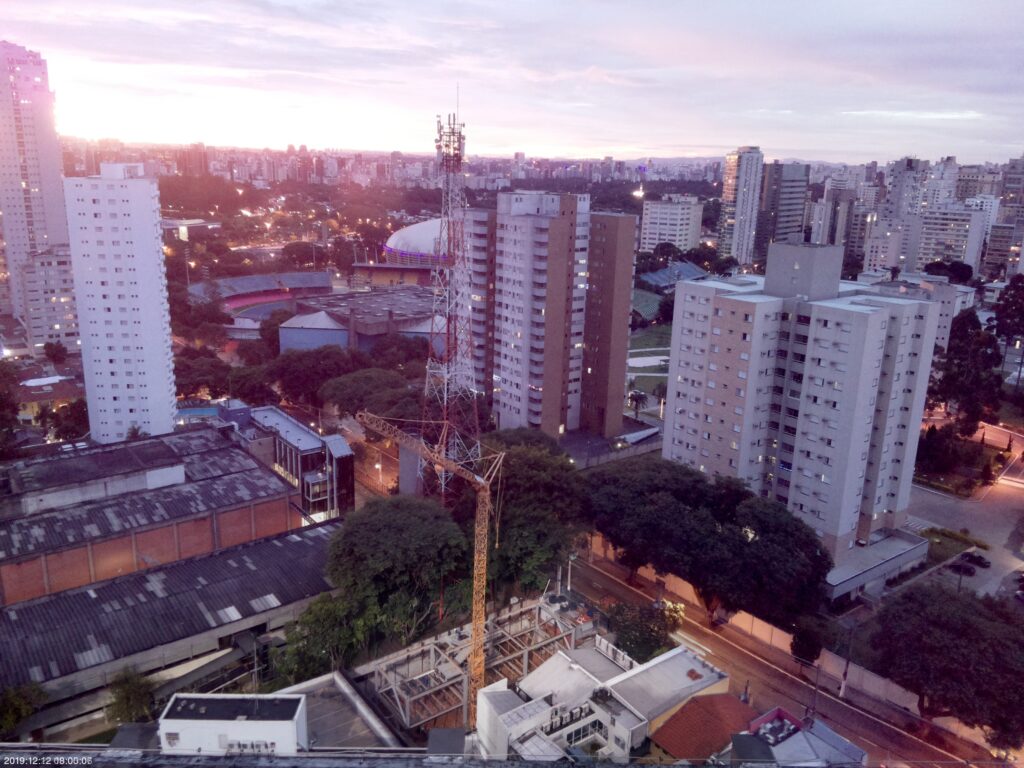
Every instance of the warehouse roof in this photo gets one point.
(234, 479)
(61, 634)
(409, 302)
(218, 475)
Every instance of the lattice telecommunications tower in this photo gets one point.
(450, 395)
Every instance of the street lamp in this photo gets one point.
(568, 581)
(380, 475)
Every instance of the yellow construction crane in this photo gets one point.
(481, 483)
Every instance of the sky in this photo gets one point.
(809, 79)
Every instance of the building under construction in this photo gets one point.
(426, 685)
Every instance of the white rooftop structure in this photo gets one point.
(416, 239)
(593, 697)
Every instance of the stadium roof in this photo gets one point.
(227, 287)
(418, 239)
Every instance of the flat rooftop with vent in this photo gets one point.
(590, 701)
(211, 724)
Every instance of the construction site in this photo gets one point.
(427, 685)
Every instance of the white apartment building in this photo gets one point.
(952, 233)
(676, 221)
(951, 298)
(539, 299)
(121, 294)
(989, 204)
(31, 193)
(741, 195)
(47, 287)
(811, 390)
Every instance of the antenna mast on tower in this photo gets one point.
(450, 402)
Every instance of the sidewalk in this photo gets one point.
(890, 713)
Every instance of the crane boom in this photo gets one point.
(481, 533)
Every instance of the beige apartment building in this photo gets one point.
(811, 390)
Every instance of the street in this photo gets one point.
(770, 685)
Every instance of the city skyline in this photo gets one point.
(819, 83)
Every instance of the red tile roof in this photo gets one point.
(703, 726)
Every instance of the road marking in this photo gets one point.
(788, 674)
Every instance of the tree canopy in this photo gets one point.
(643, 631)
(132, 697)
(326, 636)
(739, 551)
(18, 703)
(967, 376)
(8, 409)
(961, 654)
(201, 373)
(391, 560)
(269, 328)
(355, 391)
(301, 373)
(956, 271)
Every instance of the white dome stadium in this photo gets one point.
(415, 244)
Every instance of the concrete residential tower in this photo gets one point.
(121, 291)
(31, 194)
(741, 195)
(550, 300)
(675, 220)
(810, 390)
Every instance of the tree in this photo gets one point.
(637, 401)
(1009, 316)
(269, 329)
(55, 352)
(252, 352)
(132, 697)
(250, 385)
(542, 505)
(201, 374)
(962, 655)
(72, 420)
(211, 335)
(394, 351)
(8, 410)
(301, 373)
(807, 640)
(739, 551)
(391, 559)
(327, 635)
(135, 432)
(956, 271)
(350, 393)
(967, 375)
(643, 631)
(16, 704)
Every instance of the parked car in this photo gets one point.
(977, 559)
(962, 568)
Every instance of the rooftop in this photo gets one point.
(213, 707)
(418, 239)
(318, 320)
(651, 689)
(226, 287)
(292, 431)
(703, 726)
(410, 302)
(61, 634)
(337, 716)
(218, 475)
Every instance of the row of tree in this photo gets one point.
(738, 550)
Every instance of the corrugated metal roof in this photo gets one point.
(219, 479)
(58, 635)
